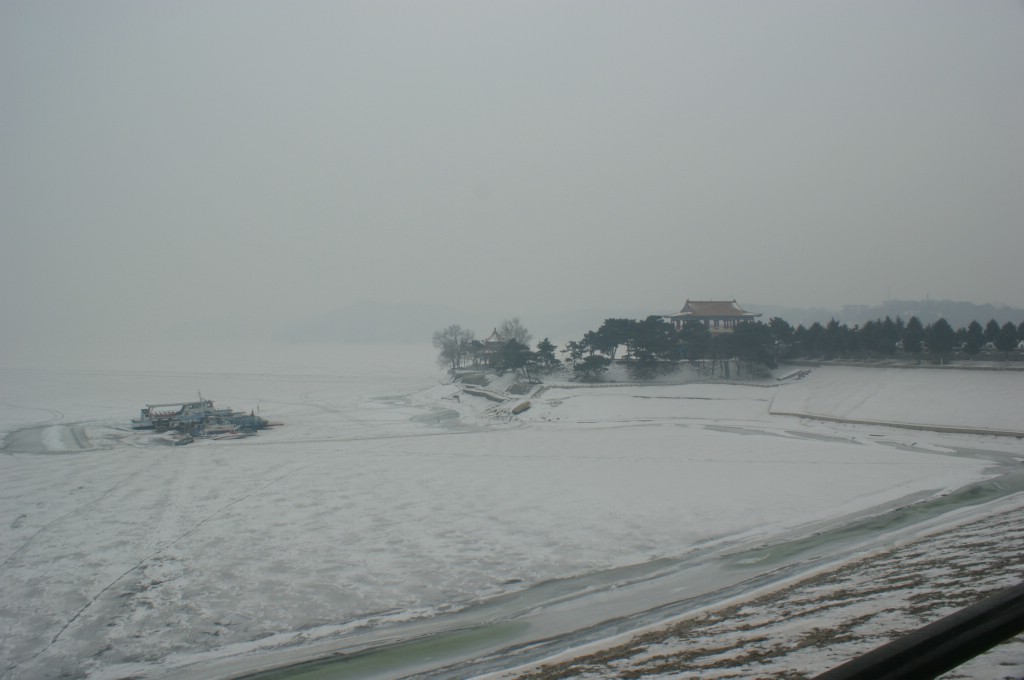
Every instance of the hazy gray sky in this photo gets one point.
(226, 160)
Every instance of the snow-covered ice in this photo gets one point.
(980, 399)
(384, 498)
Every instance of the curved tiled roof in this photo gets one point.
(494, 337)
(714, 308)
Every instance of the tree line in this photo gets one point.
(884, 338)
(652, 346)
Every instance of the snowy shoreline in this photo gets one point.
(817, 621)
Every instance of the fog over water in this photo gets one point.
(234, 169)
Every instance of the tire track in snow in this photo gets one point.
(308, 401)
(74, 511)
(54, 413)
(148, 558)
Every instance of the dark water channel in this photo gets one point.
(554, 616)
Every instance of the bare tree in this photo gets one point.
(513, 329)
(454, 343)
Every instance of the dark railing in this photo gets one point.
(943, 645)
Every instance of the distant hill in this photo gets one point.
(795, 316)
(928, 311)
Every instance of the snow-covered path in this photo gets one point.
(374, 506)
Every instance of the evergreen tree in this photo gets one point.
(800, 340)
(514, 356)
(894, 332)
(654, 339)
(574, 352)
(991, 330)
(1006, 340)
(593, 342)
(975, 338)
(614, 332)
(913, 336)
(751, 342)
(878, 337)
(814, 340)
(695, 340)
(961, 338)
(782, 337)
(654, 345)
(545, 355)
(475, 351)
(782, 332)
(590, 368)
(940, 337)
(834, 339)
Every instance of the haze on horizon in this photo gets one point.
(252, 164)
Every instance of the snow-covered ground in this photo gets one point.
(819, 622)
(981, 399)
(387, 498)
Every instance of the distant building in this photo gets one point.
(491, 347)
(718, 316)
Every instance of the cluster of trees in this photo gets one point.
(653, 345)
(459, 348)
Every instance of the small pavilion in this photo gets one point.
(492, 345)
